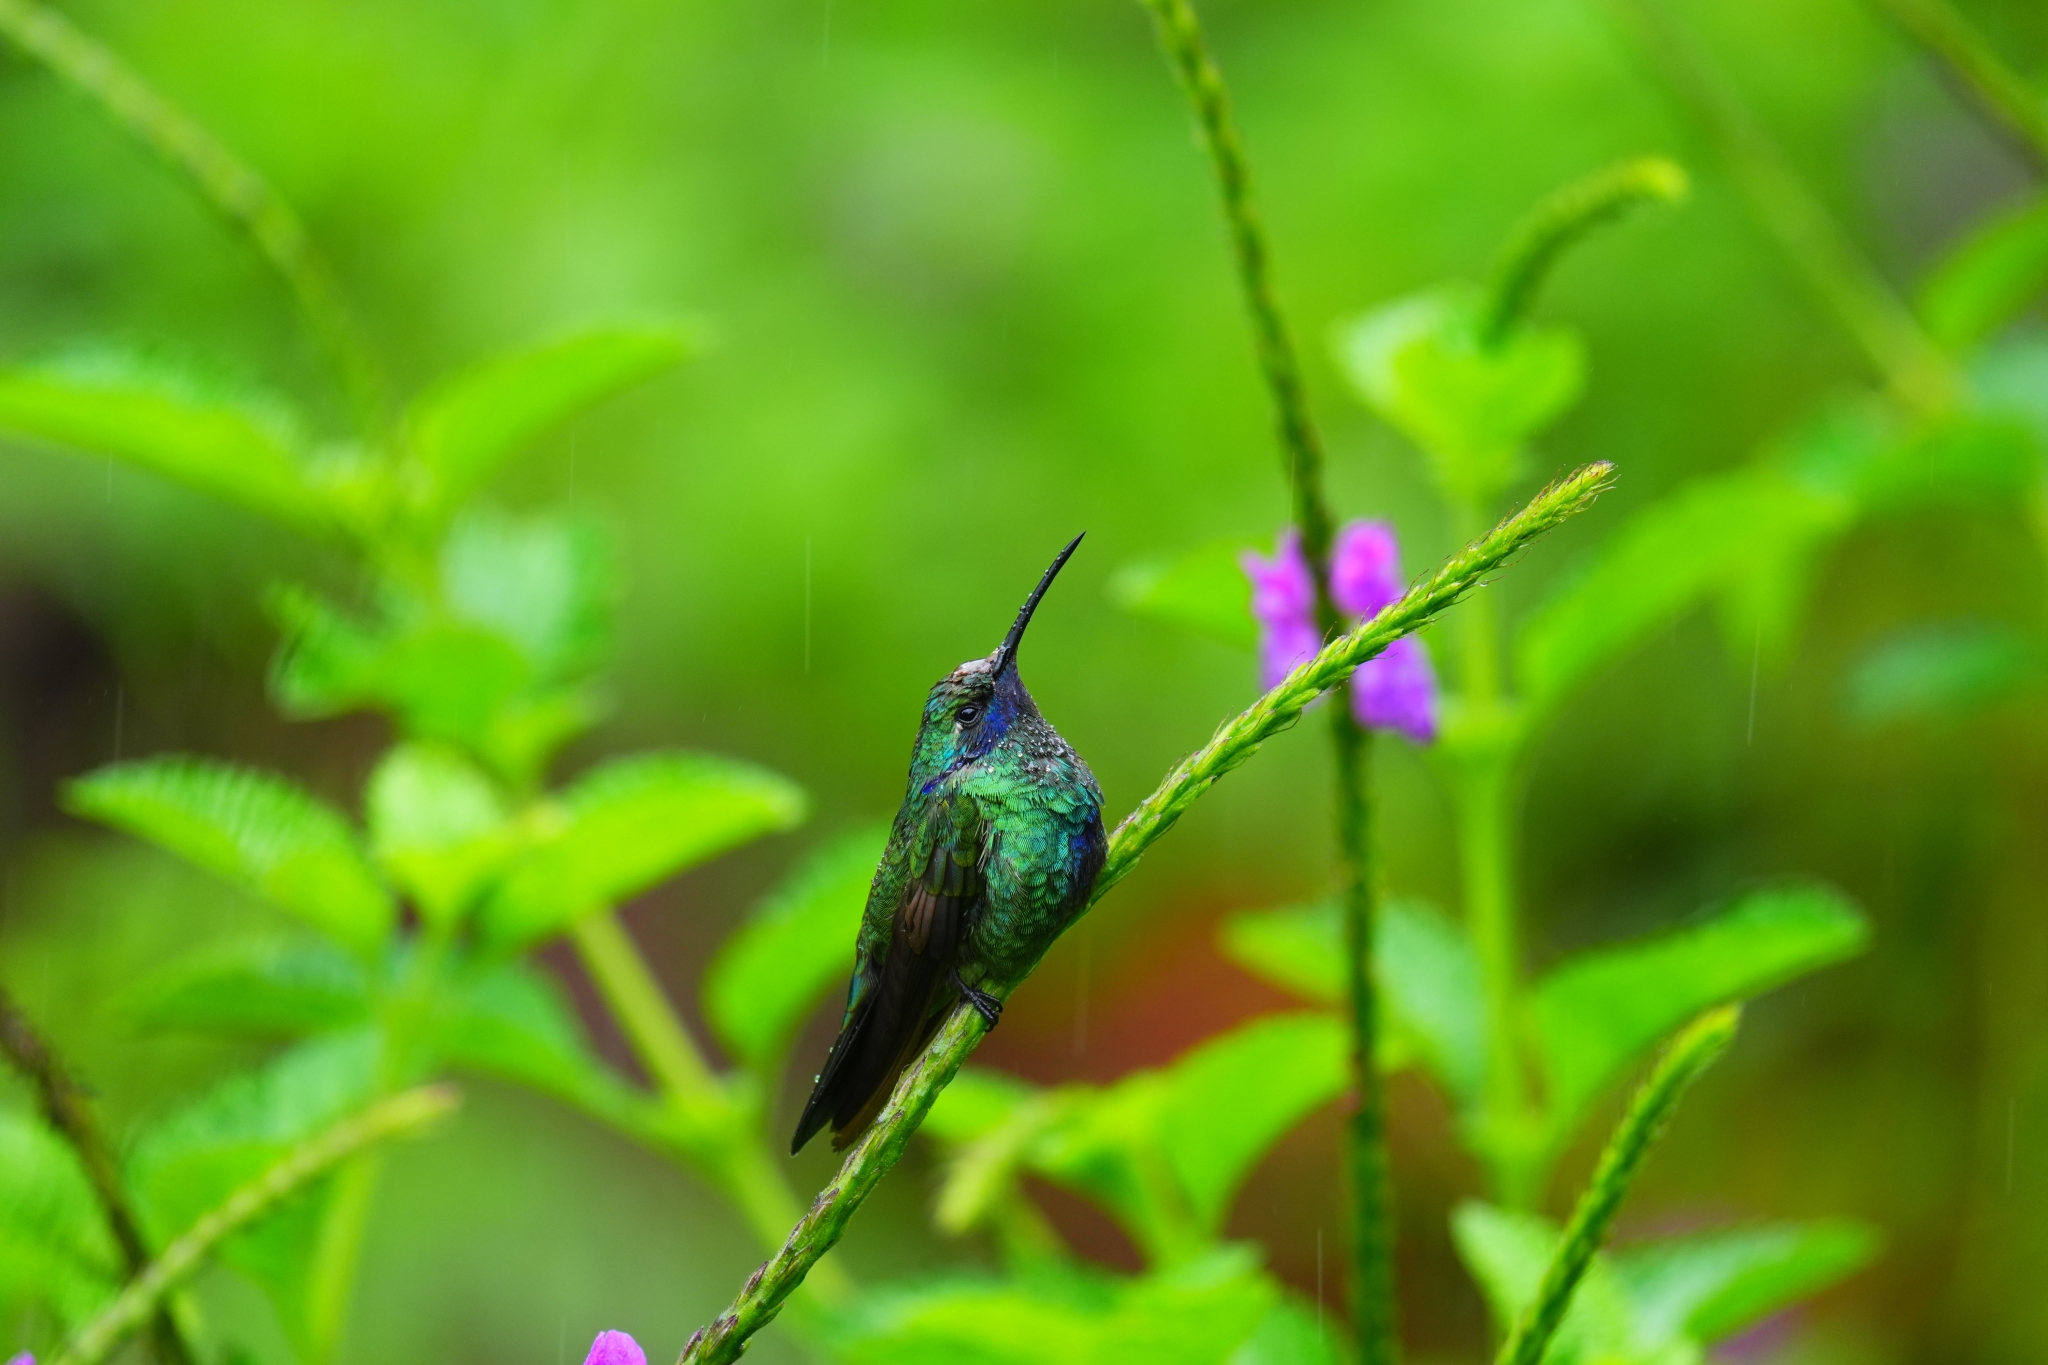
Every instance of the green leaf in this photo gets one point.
(543, 583)
(1229, 1100)
(442, 679)
(1945, 672)
(511, 1021)
(769, 973)
(1993, 277)
(1420, 364)
(257, 831)
(627, 826)
(1507, 1254)
(54, 1246)
(1669, 558)
(1198, 1313)
(1427, 975)
(438, 827)
(975, 1103)
(184, 1166)
(1709, 1286)
(1292, 1333)
(1205, 591)
(264, 987)
(469, 424)
(171, 424)
(1598, 1013)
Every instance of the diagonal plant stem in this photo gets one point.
(1187, 46)
(1997, 89)
(1557, 223)
(230, 185)
(1234, 742)
(65, 1106)
(720, 1140)
(1690, 1053)
(398, 1116)
(1872, 314)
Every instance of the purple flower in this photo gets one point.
(1397, 690)
(615, 1348)
(23, 1359)
(1365, 568)
(1284, 601)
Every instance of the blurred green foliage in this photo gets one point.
(966, 295)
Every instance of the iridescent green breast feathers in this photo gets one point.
(994, 852)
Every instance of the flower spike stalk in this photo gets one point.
(764, 1293)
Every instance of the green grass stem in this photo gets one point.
(1869, 311)
(1689, 1054)
(1560, 221)
(399, 1116)
(2001, 92)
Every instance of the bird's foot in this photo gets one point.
(986, 1005)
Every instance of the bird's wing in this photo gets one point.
(892, 1003)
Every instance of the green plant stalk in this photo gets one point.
(1482, 784)
(1912, 366)
(878, 1149)
(400, 1115)
(1554, 225)
(68, 1111)
(717, 1136)
(337, 1254)
(232, 187)
(1997, 89)
(1181, 35)
(1690, 1053)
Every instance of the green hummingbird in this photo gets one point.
(994, 851)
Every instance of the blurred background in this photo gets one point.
(968, 295)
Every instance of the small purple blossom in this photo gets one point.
(615, 1348)
(1365, 568)
(1396, 690)
(1284, 601)
(23, 1359)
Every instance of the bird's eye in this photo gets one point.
(966, 714)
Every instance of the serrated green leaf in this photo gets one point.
(185, 1165)
(1708, 1286)
(1507, 1253)
(1704, 539)
(1997, 272)
(196, 434)
(1205, 591)
(543, 583)
(1198, 1313)
(255, 830)
(629, 825)
(1427, 975)
(1600, 1012)
(509, 1020)
(438, 827)
(1419, 364)
(441, 679)
(796, 943)
(54, 1246)
(1946, 672)
(265, 987)
(466, 426)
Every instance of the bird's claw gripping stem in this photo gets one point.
(986, 1005)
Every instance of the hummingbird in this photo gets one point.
(993, 853)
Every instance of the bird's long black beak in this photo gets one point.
(1006, 653)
